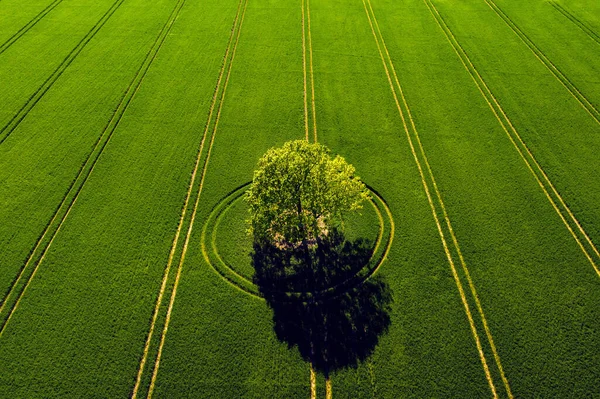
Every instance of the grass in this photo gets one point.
(122, 101)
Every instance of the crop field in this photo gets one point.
(130, 129)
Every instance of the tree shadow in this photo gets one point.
(319, 303)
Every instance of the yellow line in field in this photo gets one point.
(509, 128)
(571, 17)
(429, 197)
(313, 374)
(312, 78)
(184, 211)
(571, 88)
(110, 128)
(449, 225)
(304, 72)
(313, 383)
(189, 231)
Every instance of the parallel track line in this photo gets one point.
(306, 128)
(313, 383)
(539, 54)
(86, 170)
(32, 101)
(28, 26)
(193, 216)
(371, 17)
(312, 79)
(70, 190)
(184, 209)
(559, 205)
(592, 35)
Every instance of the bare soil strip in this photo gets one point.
(381, 44)
(49, 82)
(41, 248)
(592, 35)
(579, 234)
(193, 215)
(575, 92)
(28, 26)
(182, 218)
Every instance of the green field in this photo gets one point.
(129, 128)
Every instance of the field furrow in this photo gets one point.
(20, 93)
(493, 199)
(573, 225)
(438, 209)
(232, 347)
(581, 25)
(130, 132)
(28, 26)
(562, 139)
(587, 11)
(16, 15)
(139, 183)
(43, 211)
(212, 123)
(540, 55)
(36, 256)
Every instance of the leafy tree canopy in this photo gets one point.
(300, 192)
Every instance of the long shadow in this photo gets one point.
(332, 332)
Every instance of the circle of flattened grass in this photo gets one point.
(236, 268)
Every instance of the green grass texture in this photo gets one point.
(126, 124)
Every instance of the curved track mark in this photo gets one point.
(193, 215)
(182, 218)
(246, 285)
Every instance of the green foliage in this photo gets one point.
(80, 329)
(299, 191)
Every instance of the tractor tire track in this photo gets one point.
(4, 46)
(195, 208)
(31, 102)
(438, 214)
(592, 35)
(305, 93)
(539, 54)
(564, 212)
(38, 254)
(312, 78)
(182, 220)
(307, 54)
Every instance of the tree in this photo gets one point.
(299, 192)
(304, 267)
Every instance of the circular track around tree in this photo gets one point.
(242, 281)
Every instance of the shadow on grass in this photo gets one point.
(332, 328)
